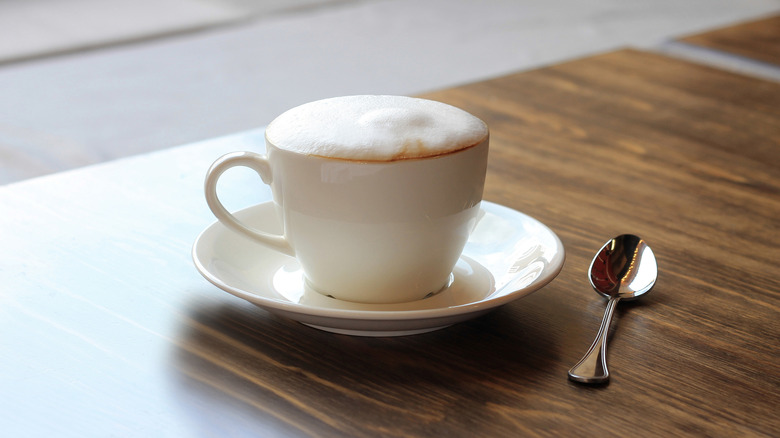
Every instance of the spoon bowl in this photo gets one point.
(624, 269)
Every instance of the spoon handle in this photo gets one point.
(592, 368)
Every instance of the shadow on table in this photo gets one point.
(242, 370)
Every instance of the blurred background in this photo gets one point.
(87, 81)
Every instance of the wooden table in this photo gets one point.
(106, 328)
(758, 39)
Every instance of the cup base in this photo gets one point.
(446, 286)
(309, 288)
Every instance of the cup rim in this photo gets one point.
(484, 142)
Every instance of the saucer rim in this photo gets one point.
(483, 305)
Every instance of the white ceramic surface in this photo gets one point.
(508, 256)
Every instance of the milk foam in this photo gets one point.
(375, 128)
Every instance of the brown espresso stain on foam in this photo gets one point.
(411, 148)
(405, 154)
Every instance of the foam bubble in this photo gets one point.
(375, 128)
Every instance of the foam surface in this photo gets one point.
(375, 128)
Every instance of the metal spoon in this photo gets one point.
(624, 268)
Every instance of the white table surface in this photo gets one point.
(107, 241)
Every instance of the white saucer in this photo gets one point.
(508, 256)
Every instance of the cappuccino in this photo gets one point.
(377, 194)
(375, 128)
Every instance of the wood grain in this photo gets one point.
(687, 157)
(106, 328)
(759, 39)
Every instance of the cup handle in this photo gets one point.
(259, 164)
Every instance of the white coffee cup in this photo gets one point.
(377, 194)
